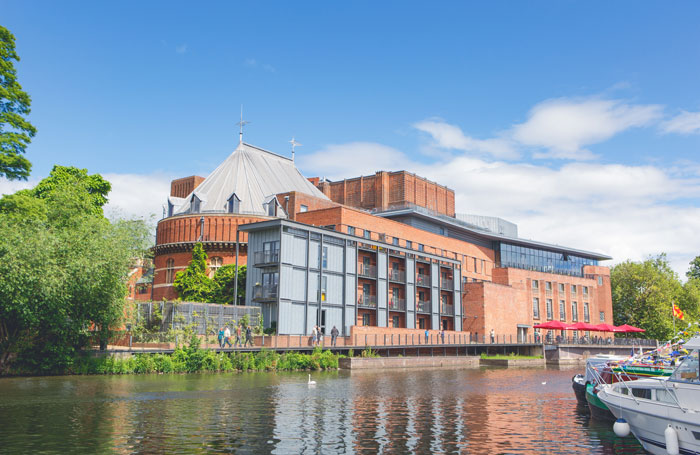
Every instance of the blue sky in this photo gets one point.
(577, 120)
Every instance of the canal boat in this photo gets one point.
(663, 412)
(580, 381)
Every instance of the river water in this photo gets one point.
(488, 411)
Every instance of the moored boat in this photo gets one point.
(663, 413)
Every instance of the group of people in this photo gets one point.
(317, 336)
(225, 337)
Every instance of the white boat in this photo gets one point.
(663, 413)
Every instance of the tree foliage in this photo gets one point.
(694, 270)
(194, 285)
(643, 293)
(15, 131)
(64, 273)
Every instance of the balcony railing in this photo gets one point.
(368, 271)
(423, 280)
(266, 257)
(264, 292)
(397, 304)
(368, 301)
(397, 275)
(447, 284)
(448, 308)
(423, 306)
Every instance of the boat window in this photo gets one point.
(688, 369)
(642, 393)
(665, 396)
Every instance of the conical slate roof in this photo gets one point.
(253, 175)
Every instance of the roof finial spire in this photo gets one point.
(294, 144)
(242, 123)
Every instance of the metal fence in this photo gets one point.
(207, 317)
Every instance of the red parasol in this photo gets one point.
(551, 325)
(606, 328)
(582, 326)
(628, 328)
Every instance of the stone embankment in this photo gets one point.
(368, 363)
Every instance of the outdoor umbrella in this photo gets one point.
(628, 328)
(606, 328)
(582, 326)
(551, 325)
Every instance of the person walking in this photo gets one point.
(493, 336)
(442, 335)
(249, 336)
(313, 336)
(426, 336)
(334, 335)
(239, 337)
(227, 337)
(221, 337)
(319, 336)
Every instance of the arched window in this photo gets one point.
(170, 270)
(214, 264)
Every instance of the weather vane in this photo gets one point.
(294, 144)
(241, 124)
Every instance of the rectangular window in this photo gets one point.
(548, 286)
(325, 257)
(600, 281)
(365, 319)
(562, 310)
(536, 308)
(550, 311)
(535, 285)
(366, 290)
(481, 270)
(367, 234)
(409, 244)
(585, 292)
(351, 230)
(421, 323)
(395, 241)
(322, 288)
(586, 315)
(602, 316)
(474, 265)
(420, 247)
(304, 208)
(395, 322)
(573, 289)
(562, 288)
(574, 312)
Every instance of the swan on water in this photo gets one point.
(311, 382)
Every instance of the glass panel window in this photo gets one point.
(535, 285)
(351, 230)
(214, 264)
(536, 308)
(600, 281)
(573, 289)
(395, 322)
(169, 270)
(562, 310)
(602, 316)
(550, 311)
(420, 247)
(367, 234)
(325, 257)
(574, 312)
(548, 286)
(303, 208)
(562, 288)
(409, 244)
(586, 315)
(365, 319)
(395, 241)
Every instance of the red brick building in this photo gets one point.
(508, 284)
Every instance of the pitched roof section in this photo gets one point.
(254, 175)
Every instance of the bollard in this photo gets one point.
(263, 340)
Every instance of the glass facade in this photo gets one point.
(521, 257)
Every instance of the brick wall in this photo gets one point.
(385, 189)
(296, 200)
(217, 228)
(184, 186)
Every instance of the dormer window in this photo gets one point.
(272, 208)
(171, 208)
(196, 204)
(234, 204)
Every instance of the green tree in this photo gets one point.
(15, 131)
(224, 284)
(64, 275)
(694, 270)
(92, 189)
(643, 293)
(193, 284)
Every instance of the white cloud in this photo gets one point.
(452, 137)
(181, 49)
(339, 161)
(563, 127)
(627, 212)
(137, 195)
(12, 186)
(683, 123)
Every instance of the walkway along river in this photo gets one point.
(484, 410)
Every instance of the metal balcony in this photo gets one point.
(423, 306)
(448, 309)
(423, 280)
(367, 301)
(367, 271)
(447, 284)
(266, 257)
(397, 304)
(264, 293)
(397, 275)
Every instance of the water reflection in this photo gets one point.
(427, 411)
